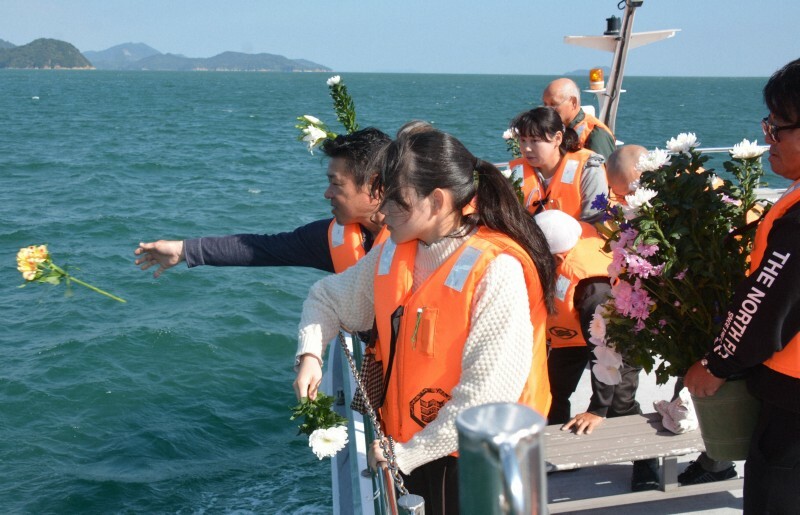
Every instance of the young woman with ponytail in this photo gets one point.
(460, 296)
(557, 173)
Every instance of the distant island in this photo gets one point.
(54, 54)
(585, 72)
(42, 54)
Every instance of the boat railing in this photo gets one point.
(386, 499)
(355, 488)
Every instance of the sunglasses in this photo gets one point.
(772, 130)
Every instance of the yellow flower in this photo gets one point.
(29, 259)
(36, 264)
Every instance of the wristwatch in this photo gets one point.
(704, 363)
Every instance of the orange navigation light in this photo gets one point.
(596, 79)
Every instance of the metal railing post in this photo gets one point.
(501, 460)
(387, 500)
(411, 504)
(385, 497)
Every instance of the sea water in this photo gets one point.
(178, 401)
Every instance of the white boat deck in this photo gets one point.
(615, 479)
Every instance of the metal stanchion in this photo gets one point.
(411, 504)
(501, 460)
(388, 503)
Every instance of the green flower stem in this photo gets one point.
(68, 277)
(700, 315)
(98, 290)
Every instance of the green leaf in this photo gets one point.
(317, 414)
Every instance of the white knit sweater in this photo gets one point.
(497, 354)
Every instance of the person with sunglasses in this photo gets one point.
(765, 343)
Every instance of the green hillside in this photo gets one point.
(43, 53)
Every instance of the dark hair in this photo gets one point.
(412, 127)
(782, 92)
(358, 149)
(543, 123)
(433, 159)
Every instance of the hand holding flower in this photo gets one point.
(326, 429)
(309, 376)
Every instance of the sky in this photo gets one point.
(717, 38)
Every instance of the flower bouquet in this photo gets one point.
(512, 143)
(326, 429)
(313, 131)
(680, 244)
(36, 265)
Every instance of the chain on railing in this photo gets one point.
(387, 448)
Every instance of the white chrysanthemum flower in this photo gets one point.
(652, 161)
(506, 173)
(327, 442)
(334, 80)
(636, 200)
(606, 366)
(747, 150)
(313, 135)
(641, 197)
(597, 327)
(683, 143)
(509, 134)
(313, 120)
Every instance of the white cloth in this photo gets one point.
(678, 416)
(497, 354)
(561, 231)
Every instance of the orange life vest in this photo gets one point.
(431, 333)
(787, 360)
(346, 244)
(564, 191)
(587, 125)
(585, 260)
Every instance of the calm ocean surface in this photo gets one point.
(177, 402)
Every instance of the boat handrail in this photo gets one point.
(704, 150)
(375, 492)
(386, 498)
(712, 150)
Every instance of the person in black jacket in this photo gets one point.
(761, 335)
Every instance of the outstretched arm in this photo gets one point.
(305, 246)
